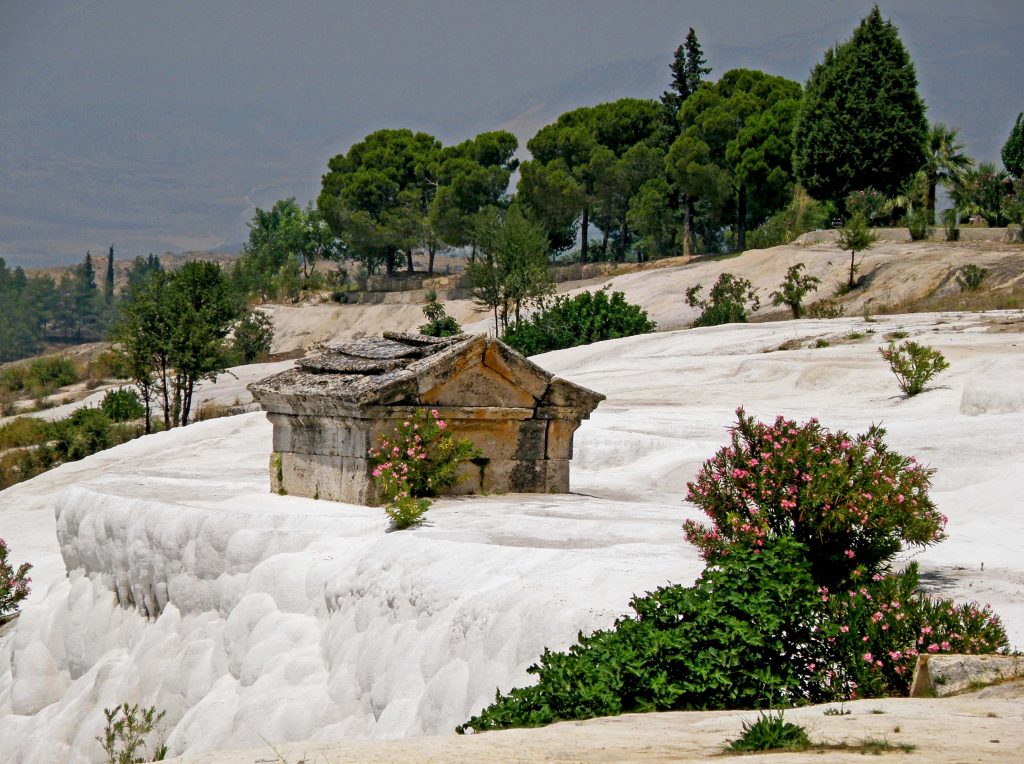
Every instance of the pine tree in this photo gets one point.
(862, 121)
(1013, 150)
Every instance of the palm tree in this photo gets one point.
(945, 161)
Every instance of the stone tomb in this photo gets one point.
(337, 402)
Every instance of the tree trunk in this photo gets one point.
(389, 265)
(741, 218)
(430, 258)
(931, 203)
(584, 242)
(408, 260)
(853, 254)
(147, 399)
(686, 229)
(604, 247)
(186, 405)
(623, 235)
(165, 390)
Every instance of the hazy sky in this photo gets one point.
(158, 126)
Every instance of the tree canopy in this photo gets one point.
(861, 123)
(1013, 149)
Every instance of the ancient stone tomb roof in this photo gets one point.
(396, 369)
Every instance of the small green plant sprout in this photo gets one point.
(855, 237)
(125, 733)
(727, 303)
(418, 461)
(840, 710)
(771, 732)
(793, 290)
(14, 583)
(914, 365)
(970, 276)
(439, 323)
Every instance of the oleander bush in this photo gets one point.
(875, 627)
(127, 735)
(913, 364)
(799, 602)
(970, 277)
(417, 462)
(853, 502)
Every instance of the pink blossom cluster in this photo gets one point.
(850, 499)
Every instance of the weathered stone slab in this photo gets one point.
(333, 478)
(943, 675)
(340, 363)
(517, 369)
(478, 386)
(423, 339)
(326, 436)
(563, 394)
(531, 440)
(454, 359)
(377, 348)
(559, 438)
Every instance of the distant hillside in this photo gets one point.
(170, 261)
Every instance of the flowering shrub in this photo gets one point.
(14, 584)
(850, 500)
(914, 365)
(418, 461)
(876, 628)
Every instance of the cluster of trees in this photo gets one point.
(36, 309)
(173, 333)
(708, 163)
(397, 191)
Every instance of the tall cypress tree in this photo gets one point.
(1013, 150)
(108, 284)
(862, 122)
(688, 71)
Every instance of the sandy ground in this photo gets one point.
(894, 272)
(986, 726)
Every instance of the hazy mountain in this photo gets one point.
(159, 128)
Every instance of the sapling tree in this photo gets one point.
(855, 236)
(793, 290)
(439, 323)
(14, 583)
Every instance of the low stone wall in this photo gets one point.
(939, 676)
(935, 233)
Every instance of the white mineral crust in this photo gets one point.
(166, 574)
